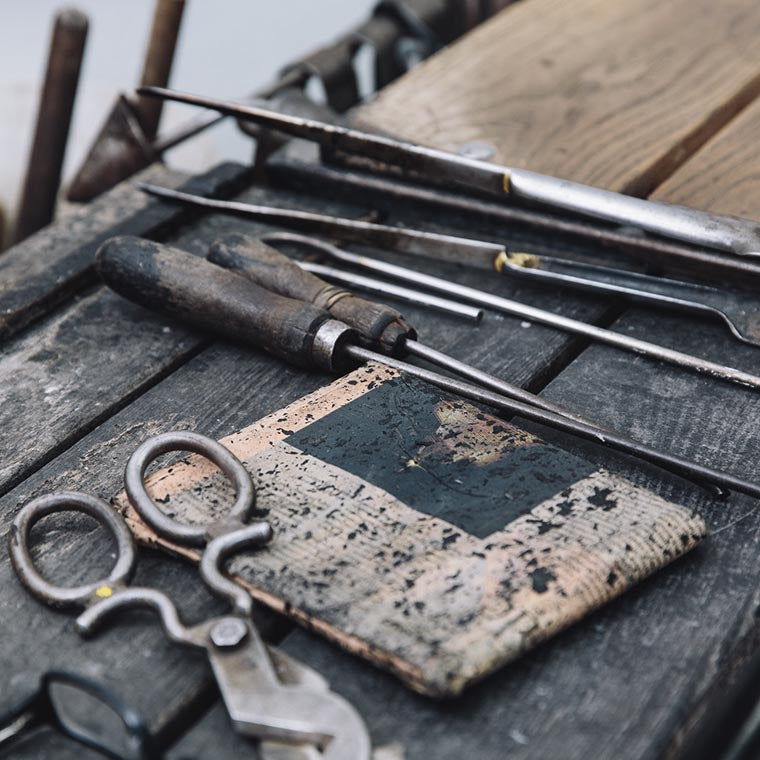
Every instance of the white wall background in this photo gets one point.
(226, 48)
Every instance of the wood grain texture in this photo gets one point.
(614, 94)
(54, 264)
(724, 176)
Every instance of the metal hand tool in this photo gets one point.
(737, 236)
(200, 293)
(376, 324)
(389, 193)
(740, 311)
(382, 287)
(259, 704)
(447, 247)
(517, 309)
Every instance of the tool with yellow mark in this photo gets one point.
(729, 234)
(285, 713)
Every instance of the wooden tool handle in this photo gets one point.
(194, 290)
(262, 264)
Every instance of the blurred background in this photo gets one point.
(227, 48)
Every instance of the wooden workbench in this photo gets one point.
(635, 95)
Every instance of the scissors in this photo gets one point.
(269, 696)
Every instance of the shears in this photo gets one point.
(268, 695)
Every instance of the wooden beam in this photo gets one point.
(615, 94)
(724, 176)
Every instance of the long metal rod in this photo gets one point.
(683, 467)
(491, 382)
(677, 259)
(738, 236)
(540, 316)
(415, 241)
(433, 244)
(738, 311)
(415, 348)
(382, 287)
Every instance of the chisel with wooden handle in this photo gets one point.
(200, 293)
(377, 325)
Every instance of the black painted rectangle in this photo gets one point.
(392, 438)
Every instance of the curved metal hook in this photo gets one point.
(148, 451)
(69, 501)
(211, 566)
(94, 616)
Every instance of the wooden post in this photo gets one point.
(167, 18)
(43, 174)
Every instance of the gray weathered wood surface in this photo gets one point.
(629, 682)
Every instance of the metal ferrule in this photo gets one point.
(326, 350)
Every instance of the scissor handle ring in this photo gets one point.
(225, 460)
(69, 501)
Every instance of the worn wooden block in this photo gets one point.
(422, 533)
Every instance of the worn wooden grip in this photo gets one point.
(196, 291)
(262, 264)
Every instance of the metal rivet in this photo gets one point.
(229, 632)
(478, 151)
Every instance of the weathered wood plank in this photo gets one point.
(55, 263)
(612, 94)
(724, 176)
(72, 371)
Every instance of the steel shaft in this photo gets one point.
(517, 309)
(738, 236)
(678, 465)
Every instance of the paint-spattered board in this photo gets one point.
(422, 533)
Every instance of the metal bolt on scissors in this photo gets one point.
(285, 712)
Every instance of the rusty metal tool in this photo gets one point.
(739, 311)
(377, 325)
(733, 235)
(260, 704)
(200, 293)
(431, 244)
(515, 308)
(43, 173)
